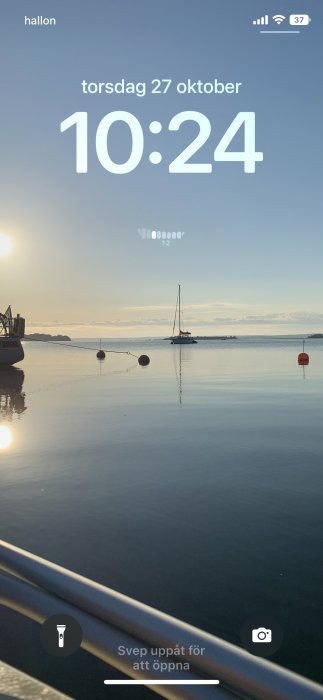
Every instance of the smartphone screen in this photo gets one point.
(161, 349)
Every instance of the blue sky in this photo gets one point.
(251, 256)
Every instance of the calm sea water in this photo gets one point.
(194, 485)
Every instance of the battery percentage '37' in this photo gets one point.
(299, 19)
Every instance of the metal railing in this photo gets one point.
(38, 589)
(15, 685)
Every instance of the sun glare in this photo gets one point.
(5, 245)
(5, 437)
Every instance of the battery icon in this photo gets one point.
(299, 20)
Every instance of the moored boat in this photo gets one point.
(183, 337)
(12, 329)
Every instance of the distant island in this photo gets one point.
(212, 337)
(215, 337)
(316, 335)
(46, 336)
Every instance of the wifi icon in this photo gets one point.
(279, 18)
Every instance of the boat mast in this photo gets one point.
(175, 317)
(179, 309)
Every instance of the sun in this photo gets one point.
(5, 437)
(5, 245)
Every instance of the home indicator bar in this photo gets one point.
(161, 682)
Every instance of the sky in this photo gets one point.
(250, 259)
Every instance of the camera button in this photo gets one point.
(262, 635)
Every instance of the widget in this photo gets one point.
(163, 237)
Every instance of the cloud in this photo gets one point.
(290, 318)
(188, 307)
(118, 323)
(297, 317)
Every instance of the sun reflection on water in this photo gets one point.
(5, 437)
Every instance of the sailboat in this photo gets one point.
(183, 337)
(11, 331)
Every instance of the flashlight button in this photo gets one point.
(61, 635)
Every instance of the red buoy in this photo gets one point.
(303, 358)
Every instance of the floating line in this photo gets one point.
(81, 347)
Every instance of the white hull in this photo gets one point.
(11, 350)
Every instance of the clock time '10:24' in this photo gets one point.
(249, 156)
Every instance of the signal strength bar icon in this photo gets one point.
(261, 20)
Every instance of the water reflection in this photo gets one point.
(12, 398)
(5, 437)
(181, 357)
